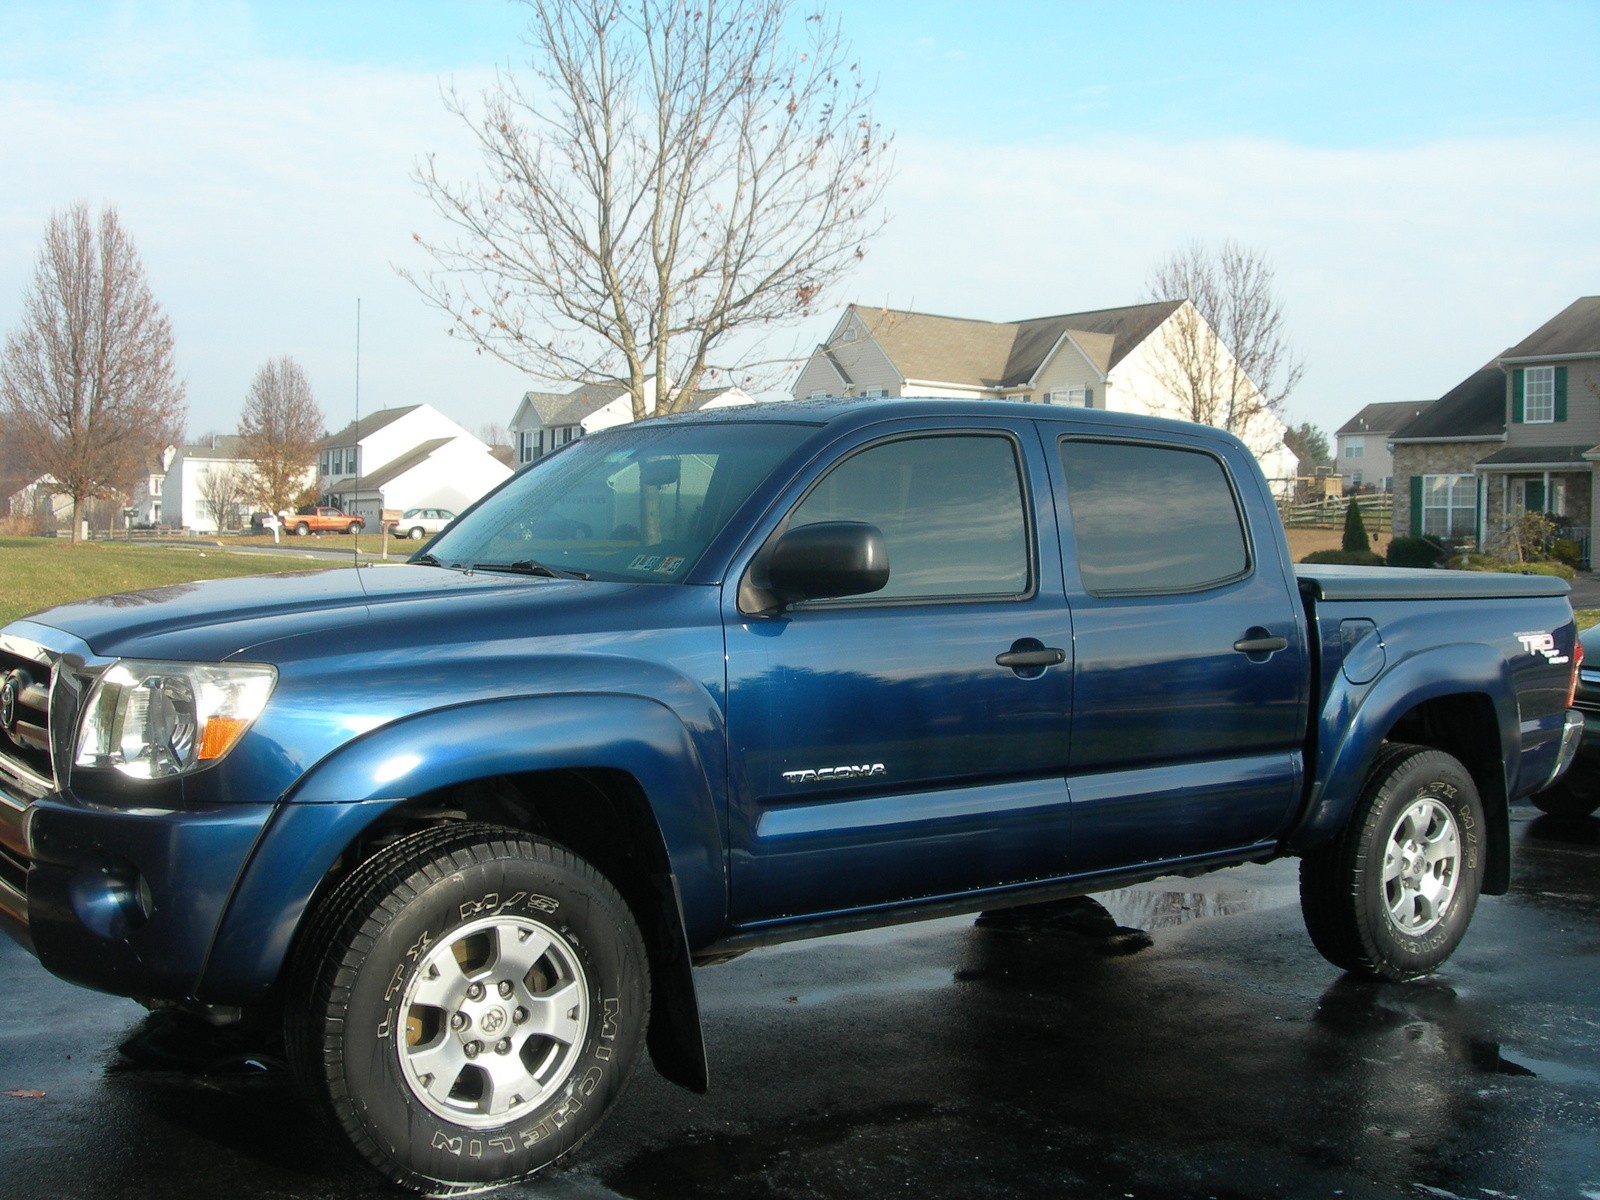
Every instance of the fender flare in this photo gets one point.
(367, 778)
(1356, 719)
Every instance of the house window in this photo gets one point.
(1073, 397)
(875, 393)
(1539, 395)
(1355, 447)
(1449, 505)
(525, 445)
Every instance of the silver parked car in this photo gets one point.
(418, 523)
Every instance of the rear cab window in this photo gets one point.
(1152, 520)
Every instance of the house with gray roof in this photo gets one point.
(1520, 434)
(1361, 444)
(399, 458)
(546, 421)
(1109, 358)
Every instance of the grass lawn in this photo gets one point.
(38, 573)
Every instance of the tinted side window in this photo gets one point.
(1150, 519)
(950, 508)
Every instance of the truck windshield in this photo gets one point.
(637, 503)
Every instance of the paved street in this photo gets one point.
(952, 1061)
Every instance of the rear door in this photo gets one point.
(884, 754)
(1191, 678)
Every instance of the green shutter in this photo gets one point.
(1533, 496)
(1516, 396)
(1561, 393)
(1416, 506)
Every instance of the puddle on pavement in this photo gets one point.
(1492, 1057)
(1152, 908)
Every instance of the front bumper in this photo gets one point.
(128, 901)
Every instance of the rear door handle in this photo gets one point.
(1261, 645)
(1045, 656)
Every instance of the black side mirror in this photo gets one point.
(827, 560)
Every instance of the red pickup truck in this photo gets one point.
(322, 519)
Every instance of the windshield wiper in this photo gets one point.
(527, 566)
(427, 560)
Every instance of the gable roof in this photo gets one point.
(396, 467)
(1474, 409)
(368, 425)
(1573, 330)
(221, 446)
(992, 354)
(1384, 417)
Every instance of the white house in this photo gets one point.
(182, 488)
(42, 500)
(1113, 358)
(400, 458)
(546, 421)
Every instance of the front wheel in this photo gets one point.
(1393, 894)
(467, 1006)
(417, 533)
(355, 527)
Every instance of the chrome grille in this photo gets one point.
(25, 709)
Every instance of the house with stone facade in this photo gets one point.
(1119, 359)
(1520, 434)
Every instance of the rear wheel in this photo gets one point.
(1574, 796)
(302, 529)
(467, 1006)
(1393, 894)
(417, 533)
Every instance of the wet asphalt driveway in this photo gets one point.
(1219, 1057)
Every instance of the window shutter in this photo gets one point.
(1561, 393)
(1516, 396)
(1416, 506)
(1533, 496)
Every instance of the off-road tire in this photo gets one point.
(360, 1023)
(1392, 895)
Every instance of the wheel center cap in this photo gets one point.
(493, 1021)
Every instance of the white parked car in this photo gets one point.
(418, 523)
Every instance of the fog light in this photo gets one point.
(111, 901)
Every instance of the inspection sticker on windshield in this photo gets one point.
(658, 564)
(1545, 644)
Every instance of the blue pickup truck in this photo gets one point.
(702, 684)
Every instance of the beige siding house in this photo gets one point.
(1521, 434)
(1112, 358)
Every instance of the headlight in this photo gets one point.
(152, 719)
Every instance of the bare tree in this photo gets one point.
(675, 173)
(278, 432)
(223, 487)
(1234, 303)
(87, 378)
(494, 433)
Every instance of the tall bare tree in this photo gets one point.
(278, 432)
(223, 488)
(1231, 288)
(672, 175)
(87, 379)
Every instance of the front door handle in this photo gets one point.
(1045, 656)
(1261, 645)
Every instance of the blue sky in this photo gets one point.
(1424, 176)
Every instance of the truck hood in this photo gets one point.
(228, 618)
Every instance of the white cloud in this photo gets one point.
(1401, 269)
(267, 195)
